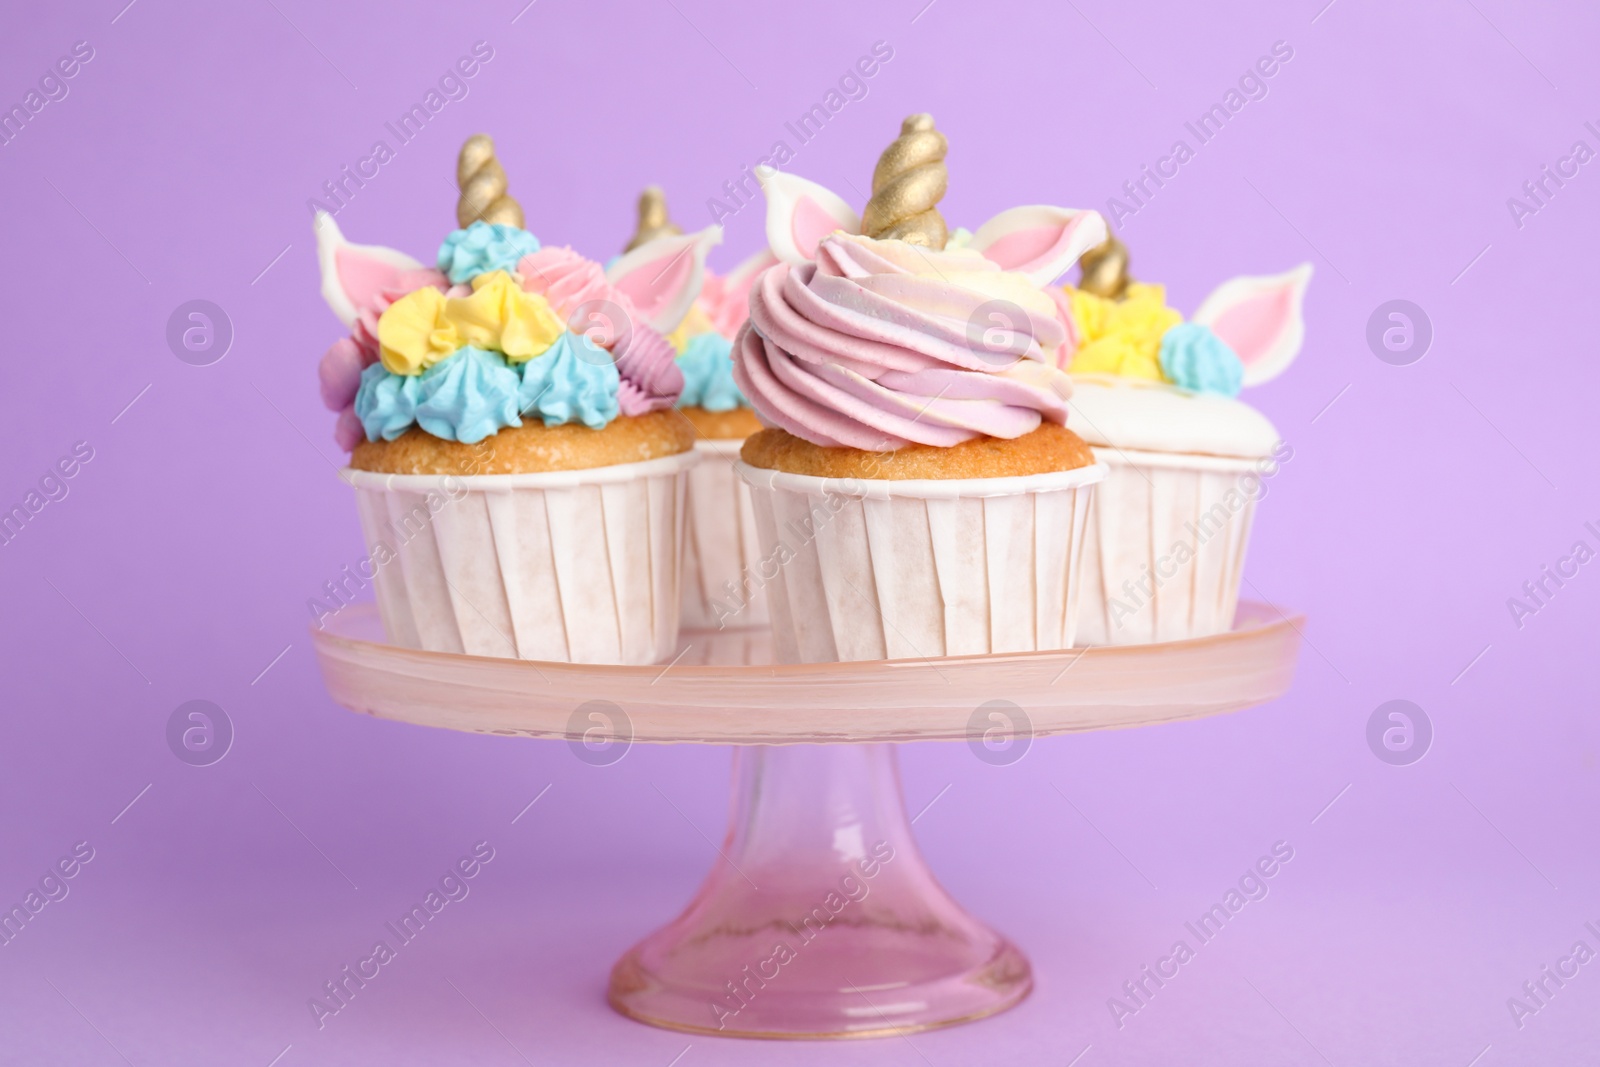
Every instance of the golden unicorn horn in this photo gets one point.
(482, 181)
(1104, 269)
(653, 218)
(907, 185)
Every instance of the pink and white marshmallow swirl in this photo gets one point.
(880, 344)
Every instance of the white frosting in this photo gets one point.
(1156, 417)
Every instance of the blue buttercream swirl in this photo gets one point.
(1195, 358)
(484, 247)
(386, 403)
(468, 396)
(465, 397)
(708, 374)
(473, 393)
(574, 381)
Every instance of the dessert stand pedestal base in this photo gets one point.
(819, 918)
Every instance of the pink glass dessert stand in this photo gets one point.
(819, 919)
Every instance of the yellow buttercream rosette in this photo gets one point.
(424, 327)
(1121, 337)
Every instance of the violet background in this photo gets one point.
(1416, 504)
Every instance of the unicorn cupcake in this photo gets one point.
(1157, 399)
(721, 549)
(918, 490)
(518, 467)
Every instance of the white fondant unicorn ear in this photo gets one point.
(1260, 319)
(800, 214)
(1039, 242)
(662, 277)
(352, 275)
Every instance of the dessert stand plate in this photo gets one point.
(819, 918)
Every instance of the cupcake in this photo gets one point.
(1156, 397)
(518, 468)
(720, 586)
(917, 490)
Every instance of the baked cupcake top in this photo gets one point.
(501, 329)
(871, 334)
(1148, 380)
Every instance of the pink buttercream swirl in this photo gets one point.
(579, 292)
(577, 289)
(648, 367)
(340, 370)
(880, 344)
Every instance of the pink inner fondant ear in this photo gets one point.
(801, 213)
(662, 278)
(1017, 251)
(364, 277)
(1260, 318)
(355, 276)
(653, 285)
(810, 225)
(1038, 241)
(1251, 326)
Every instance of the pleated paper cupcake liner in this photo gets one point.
(573, 566)
(1164, 551)
(720, 545)
(860, 569)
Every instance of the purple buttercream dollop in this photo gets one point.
(648, 367)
